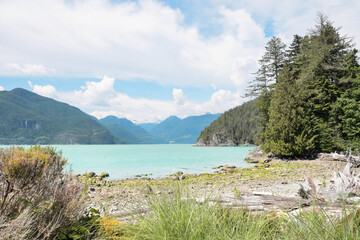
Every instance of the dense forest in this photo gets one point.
(238, 124)
(307, 95)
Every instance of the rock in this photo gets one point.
(92, 189)
(182, 177)
(200, 143)
(148, 188)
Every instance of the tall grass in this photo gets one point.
(179, 216)
(318, 224)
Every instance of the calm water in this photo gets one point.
(125, 161)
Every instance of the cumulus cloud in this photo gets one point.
(97, 93)
(30, 69)
(100, 99)
(46, 90)
(179, 97)
(2, 88)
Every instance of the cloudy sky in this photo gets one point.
(146, 60)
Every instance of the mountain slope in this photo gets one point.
(127, 131)
(182, 131)
(28, 118)
(147, 126)
(234, 127)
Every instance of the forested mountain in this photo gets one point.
(28, 118)
(236, 126)
(308, 95)
(182, 131)
(127, 131)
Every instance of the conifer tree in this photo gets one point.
(287, 133)
(270, 66)
(323, 65)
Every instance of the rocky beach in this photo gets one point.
(271, 184)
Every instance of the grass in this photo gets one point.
(180, 216)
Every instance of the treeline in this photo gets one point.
(309, 94)
(238, 124)
(307, 97)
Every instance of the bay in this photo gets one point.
(156, 160)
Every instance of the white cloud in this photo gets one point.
(145, 39)
(2, 88)
(179, 97)
(100, 99)
(46, 90)
(97, 93)
(30, 69)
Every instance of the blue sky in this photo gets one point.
(148, 59)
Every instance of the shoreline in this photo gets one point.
(281, 178)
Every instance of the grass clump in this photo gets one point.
(181, 216)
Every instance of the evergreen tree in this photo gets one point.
(270, 65)
(287, 133)
(346, 110)
(266, 77)
(323, 65)
(292, 55)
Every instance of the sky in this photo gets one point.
(146, 60)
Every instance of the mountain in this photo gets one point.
(127, 131)
(236, 126)
(28, 118)
(182, 131)
(147, 126)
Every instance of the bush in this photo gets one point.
(37, 199)
(104, 175)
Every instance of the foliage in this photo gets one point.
(37, 199)
(238, 124)
(314, 107)
(270, 66)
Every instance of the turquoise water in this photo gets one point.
(126, 161)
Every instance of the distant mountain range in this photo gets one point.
(28, 118)
(171, 130)
(127, 131)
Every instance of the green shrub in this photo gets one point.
(37, 199)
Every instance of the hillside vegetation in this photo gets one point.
(238, 125)
(308, 97)
(27, 118)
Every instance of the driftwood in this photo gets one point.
(340, 157)
(344, 184)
